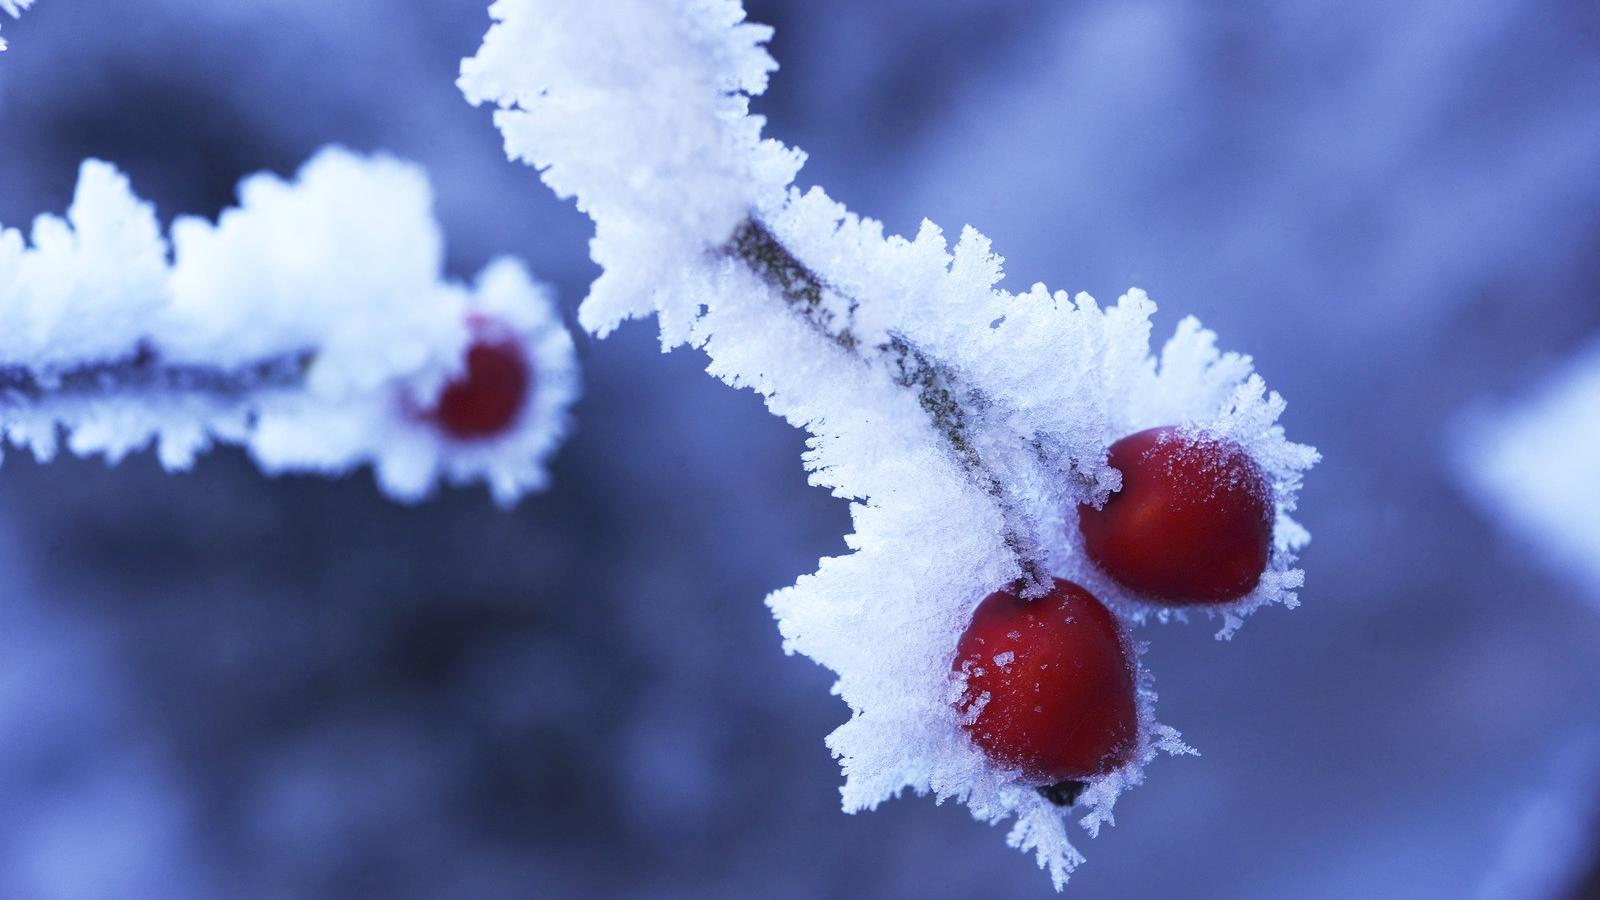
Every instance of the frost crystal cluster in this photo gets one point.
(310, 325)
(964, 422)
(13, 8)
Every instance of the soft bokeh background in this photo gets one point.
(221, 685)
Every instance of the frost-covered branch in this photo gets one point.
(12, 8)
(311, 325)
(938, 387)
(1531, 464)
(967, 424)
(144, 370)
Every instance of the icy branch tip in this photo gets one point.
(13, 8)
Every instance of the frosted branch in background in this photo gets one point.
(965, 423)
(1535, 468)
(14, 9)
(311, 325)
(1550, 838)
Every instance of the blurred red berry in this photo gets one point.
(486, 399)
(1050, 687)
(1191, 524)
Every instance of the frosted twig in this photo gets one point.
(144, 370)
(312, 325)
(939, 391)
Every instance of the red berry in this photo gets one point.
(1192, 522)
(1050, 688)
(487, 398)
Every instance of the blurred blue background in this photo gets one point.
(217, 684)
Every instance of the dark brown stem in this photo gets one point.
(1063, 793)
(144, 370)
(939, 389)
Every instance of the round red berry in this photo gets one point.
(1192, 522)
(487, 398)
(1050, 686)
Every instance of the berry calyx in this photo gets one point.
(1050, 686)
(487, 398)
(1192, 522)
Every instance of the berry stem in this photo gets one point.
(939, 391)
(1063, 793)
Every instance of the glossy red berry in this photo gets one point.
(1192, 522)
(486, 399)
(1050, 686)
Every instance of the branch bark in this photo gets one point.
(939, 389)
(144, 370)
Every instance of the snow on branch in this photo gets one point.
(13, 8)
(1531, 466)
(311, 325)
(966, 423)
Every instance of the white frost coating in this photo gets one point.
(321, 304)
(1533, 467)
(660, 154)
(636, 113)
(14, 9)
